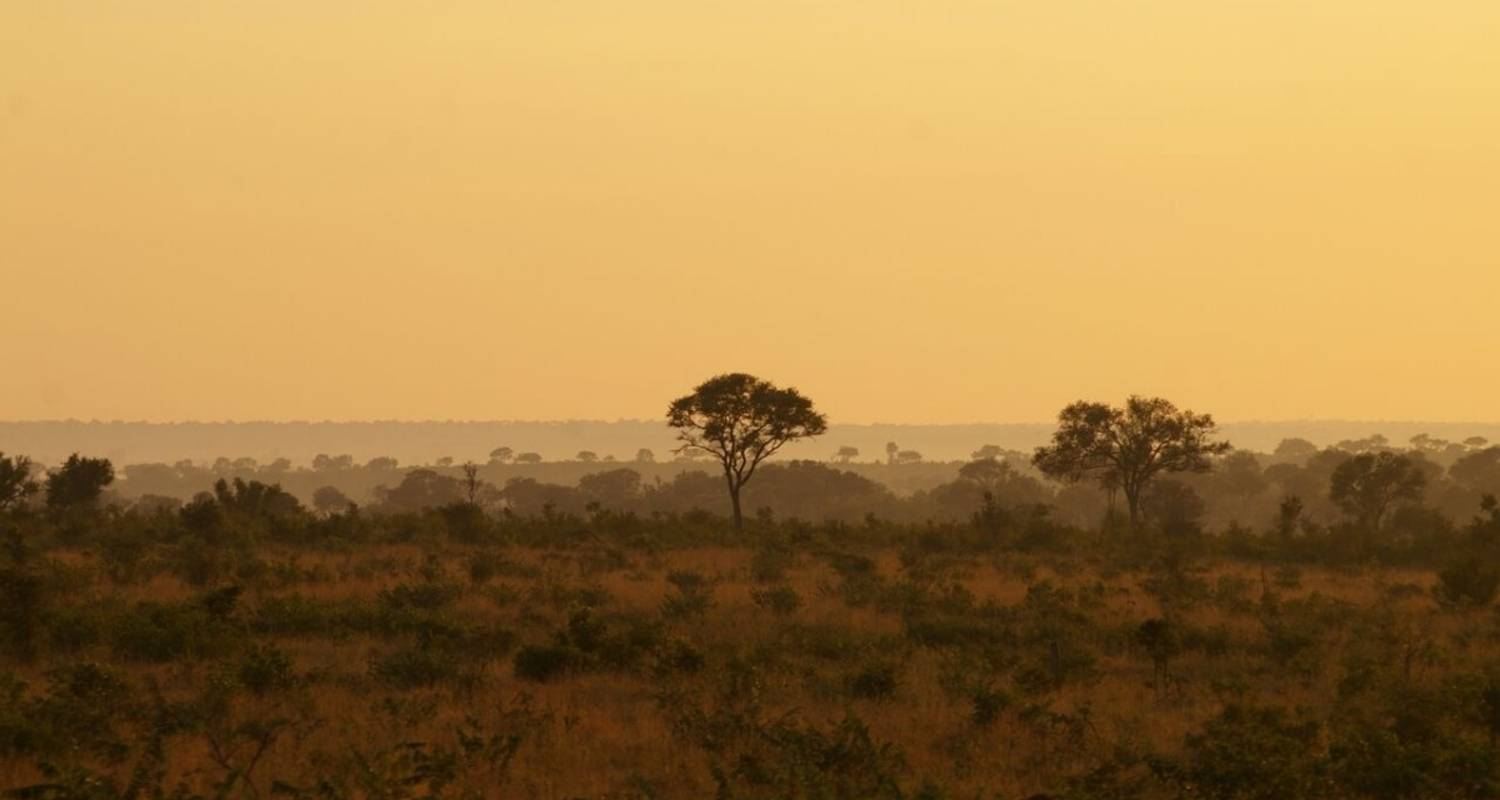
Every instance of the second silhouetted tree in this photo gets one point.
(1128, 447)
(1367, 485)
(16, 483)
(79, 482)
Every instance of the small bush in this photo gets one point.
(874, 681)
(425, 596)
(988, 704)
(1287, 577)
(1468, 582)
(677, 656)
(266, 669)
(783, 601)
(692, 599)
(544, 663)
(1255, 754)
(483, 567)
(161, 633)
(770, 564)
(414, 667)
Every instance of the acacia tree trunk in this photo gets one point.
(734, 502)
(1133, 503)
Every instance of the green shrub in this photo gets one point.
(692, 599)
(791, 759)
(483, 567)
(1470, 581)
(988, 704)
(424, 596)
(953, 630)
(266, 669)
(1062, 661)
(159, 633)
(296, 615)
(23, 601)
(444, 652)
(198, 563)
(783, 601)
(220, 603)
(874, 681)
(1255, 754)
(1406, 747)
(80, 711)
(544, 663)
(414, 667)
(770, 563)
(826, 642)
(72, 629)
(1287, 577)
(629, 640)
(674, 656)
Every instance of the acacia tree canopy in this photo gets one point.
(986, 473)
(1367, 485)
(741, 420)
(1128, 447)
(79, 482)
(16, 483)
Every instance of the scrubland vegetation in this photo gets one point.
(1310, 623)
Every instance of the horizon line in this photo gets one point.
(630, 420)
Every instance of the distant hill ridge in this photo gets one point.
(425, 441)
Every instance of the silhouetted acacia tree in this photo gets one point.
(644, 456)
(255, 500)
(986, 473)
(78, 482)
(1128, 447)
(989, 451)
(1295, 450)
(587, 456)
(1427, 443)
(1478, 471)
(16, 483)
(328, 499)
(529, 458)
(741, 420)
(846, 454)
(615, 489)
(891, 449)
(1373, 443)
(419, 489)
(1367, 485)
(323, 462)
(502, 454)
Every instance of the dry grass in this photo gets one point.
(605, 733)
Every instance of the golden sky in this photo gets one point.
(917, 211)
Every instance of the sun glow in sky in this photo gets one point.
(913, 211)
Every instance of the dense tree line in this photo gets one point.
(1144, 470)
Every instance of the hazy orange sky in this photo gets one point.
(914, 211)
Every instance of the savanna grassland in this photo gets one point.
(226, 650)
